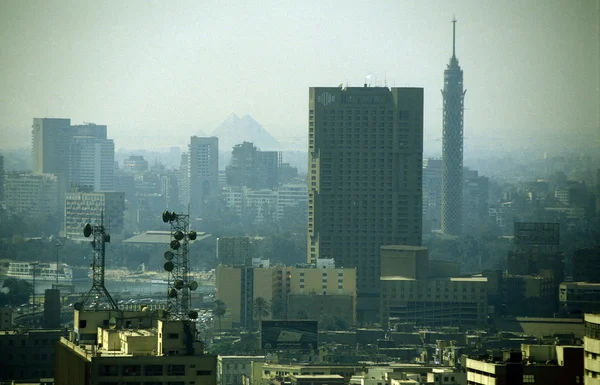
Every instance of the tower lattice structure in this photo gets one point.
(179, 299)
(98, 296)
(452, 147)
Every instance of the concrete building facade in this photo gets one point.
(93, 207)
(33, 195)
(92, 163)
(364, 178)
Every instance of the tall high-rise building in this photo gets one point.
(432, 194)
(92, 163)
(365, 177)
(45, 135)
(203, 172)
(452, 148)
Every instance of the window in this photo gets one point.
(82, 323)
(173, 336)
(528, 379)
(203, 372)
(132, 370)
(108, 370)
(153, 370)
(176, 370)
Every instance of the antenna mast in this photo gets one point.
(98, 293)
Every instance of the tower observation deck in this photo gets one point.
(452, 146)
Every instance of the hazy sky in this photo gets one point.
(157, 72)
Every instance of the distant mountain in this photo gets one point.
(234, 131)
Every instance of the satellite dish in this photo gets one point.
(192, 235)
(169, 255)
(172, 293)
(107, 238)
(112, 323)
(193, 285)
(175, 244)
(77, 306)
(169, 266)
(193, 314)
(178, 235)
(178, 284)
(166, 215)
(87, 230)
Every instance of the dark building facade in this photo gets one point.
(253, 168)
(452, 144)
(364, 179)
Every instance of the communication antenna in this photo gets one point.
(179, 285)
(97, 296)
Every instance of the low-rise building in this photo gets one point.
(579, 297)
(167, 354)
(93, 207)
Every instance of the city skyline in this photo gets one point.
(142, 68)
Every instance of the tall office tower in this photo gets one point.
(365, 173)
(45, 136)
(91, 163)
(203, 173)
(452, 147)
(475, 201)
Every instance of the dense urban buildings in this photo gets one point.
(452, 144)
(203, 173)
(253, 168)
(365, 178)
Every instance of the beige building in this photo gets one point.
(591, 346)
(287, 289)
(417, 290)
(231, 370)
(168, 353)
(365, 148)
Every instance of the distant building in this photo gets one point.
(91, 163)
(586, 265)
(428, 293)
(203, 171)
(591, 344)
(579, 297)
(28, 355)
(183, 179)
(253, 168)
(475, 201)
(93, 207)
(6, 318)
(234, 251)
(31, 195)
(293, 292)
(135, 164)
(530, 295)
(291, 196)
(365, 148)
(432, 194)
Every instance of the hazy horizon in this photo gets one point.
(157, 73)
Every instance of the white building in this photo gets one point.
(591, 346)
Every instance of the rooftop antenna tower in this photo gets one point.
(179, 287)
(97, 296)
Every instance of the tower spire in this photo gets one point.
(454, 36)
